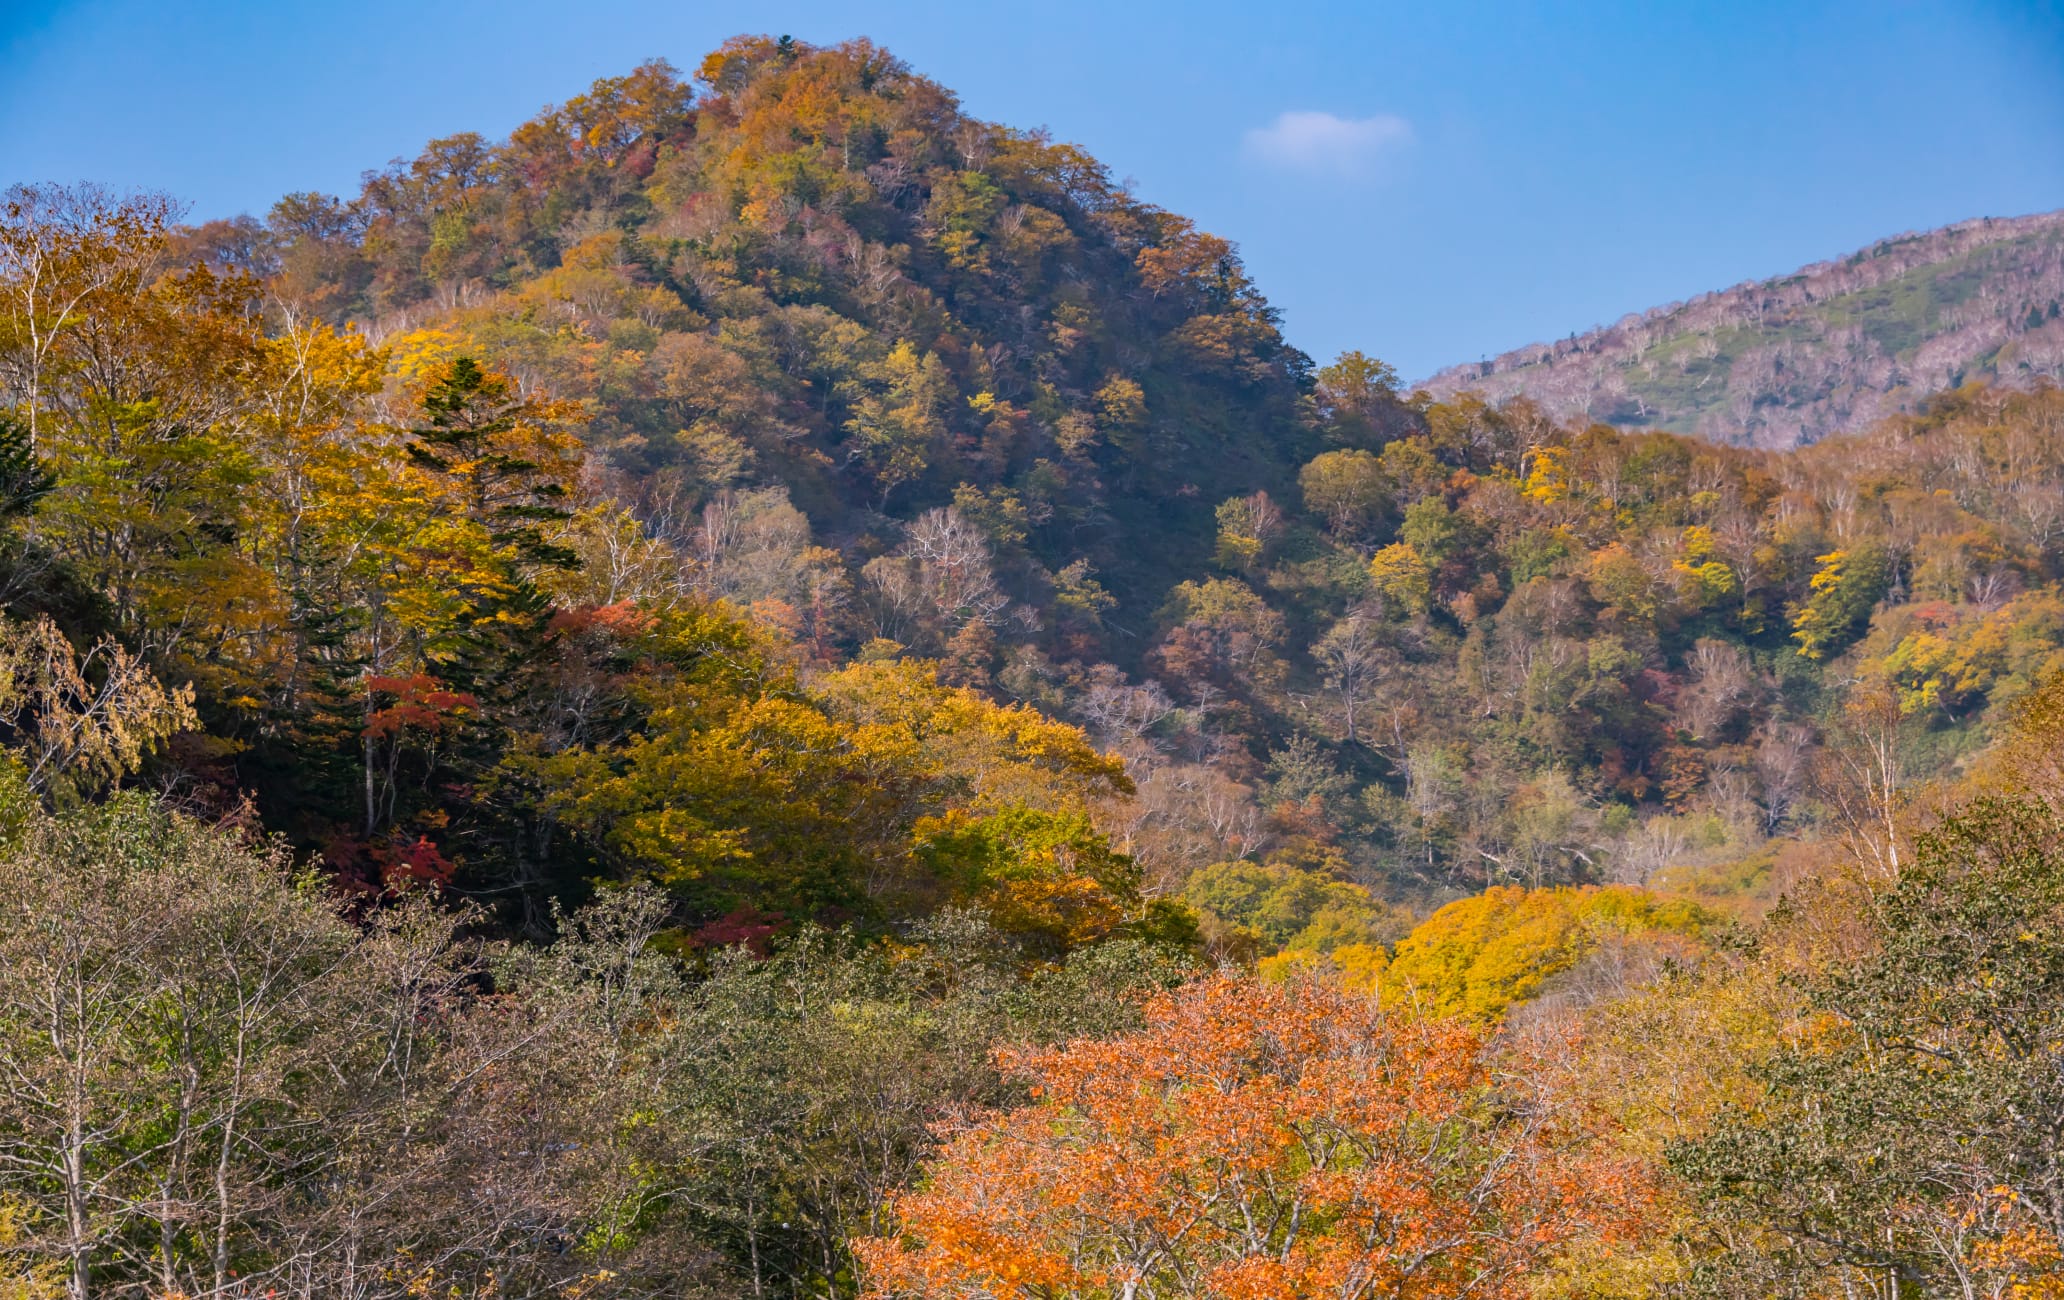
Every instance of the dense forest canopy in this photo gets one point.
(817, 272)
(767, 687)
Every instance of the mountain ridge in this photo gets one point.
(1828, 348)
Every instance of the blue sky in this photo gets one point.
(1429, 182)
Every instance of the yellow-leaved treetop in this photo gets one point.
(1478, 956)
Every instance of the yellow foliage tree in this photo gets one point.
(1402, 575)
(1478, 956)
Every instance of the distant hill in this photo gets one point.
(1827, 349)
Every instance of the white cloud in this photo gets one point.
(1327, 144)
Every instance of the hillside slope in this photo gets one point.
(649, 464)
(810, 268)
(892, 383)
(720, 663)
(1830, 348)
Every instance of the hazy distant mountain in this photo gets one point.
(1828, 348)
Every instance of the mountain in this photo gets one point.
(791, 353)
(793, 621)
(809, 268)
(1830, 348)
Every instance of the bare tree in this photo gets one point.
(1723, 687)
(1647, 849)
(1121, 715)
(1861, 776)
(953, 562)
(213, 1085)
(1784, 769)
(1354, 660)
(937, 582)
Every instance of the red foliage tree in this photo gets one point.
(1255, 1141)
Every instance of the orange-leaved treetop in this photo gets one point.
(1254, 1141)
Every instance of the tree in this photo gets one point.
(1221, 632)
(22, 1276)
(129, 373)
(1264, 907)
(1254, 1140)
(1910, 1136)
(152, 979)
(1357, 397)
(821, 1070)
(896, 430)
(1402, 575)
(1477, 957)
(81, 723)
(507, 462)
(61, 250)
(953, 568)
(1355, 662)
(1247, 526)
(1848, 584)
(1349, 488)
(218, 1083)
(1862, 775)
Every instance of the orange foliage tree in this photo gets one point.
(1255, 1141)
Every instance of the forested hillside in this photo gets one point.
(820, 275)
(1830, 348)
(767, 688)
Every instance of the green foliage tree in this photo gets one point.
(1842, 593)
(1267, 907)
(217, 1079)
(1349, 489)
(1907, 1137)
